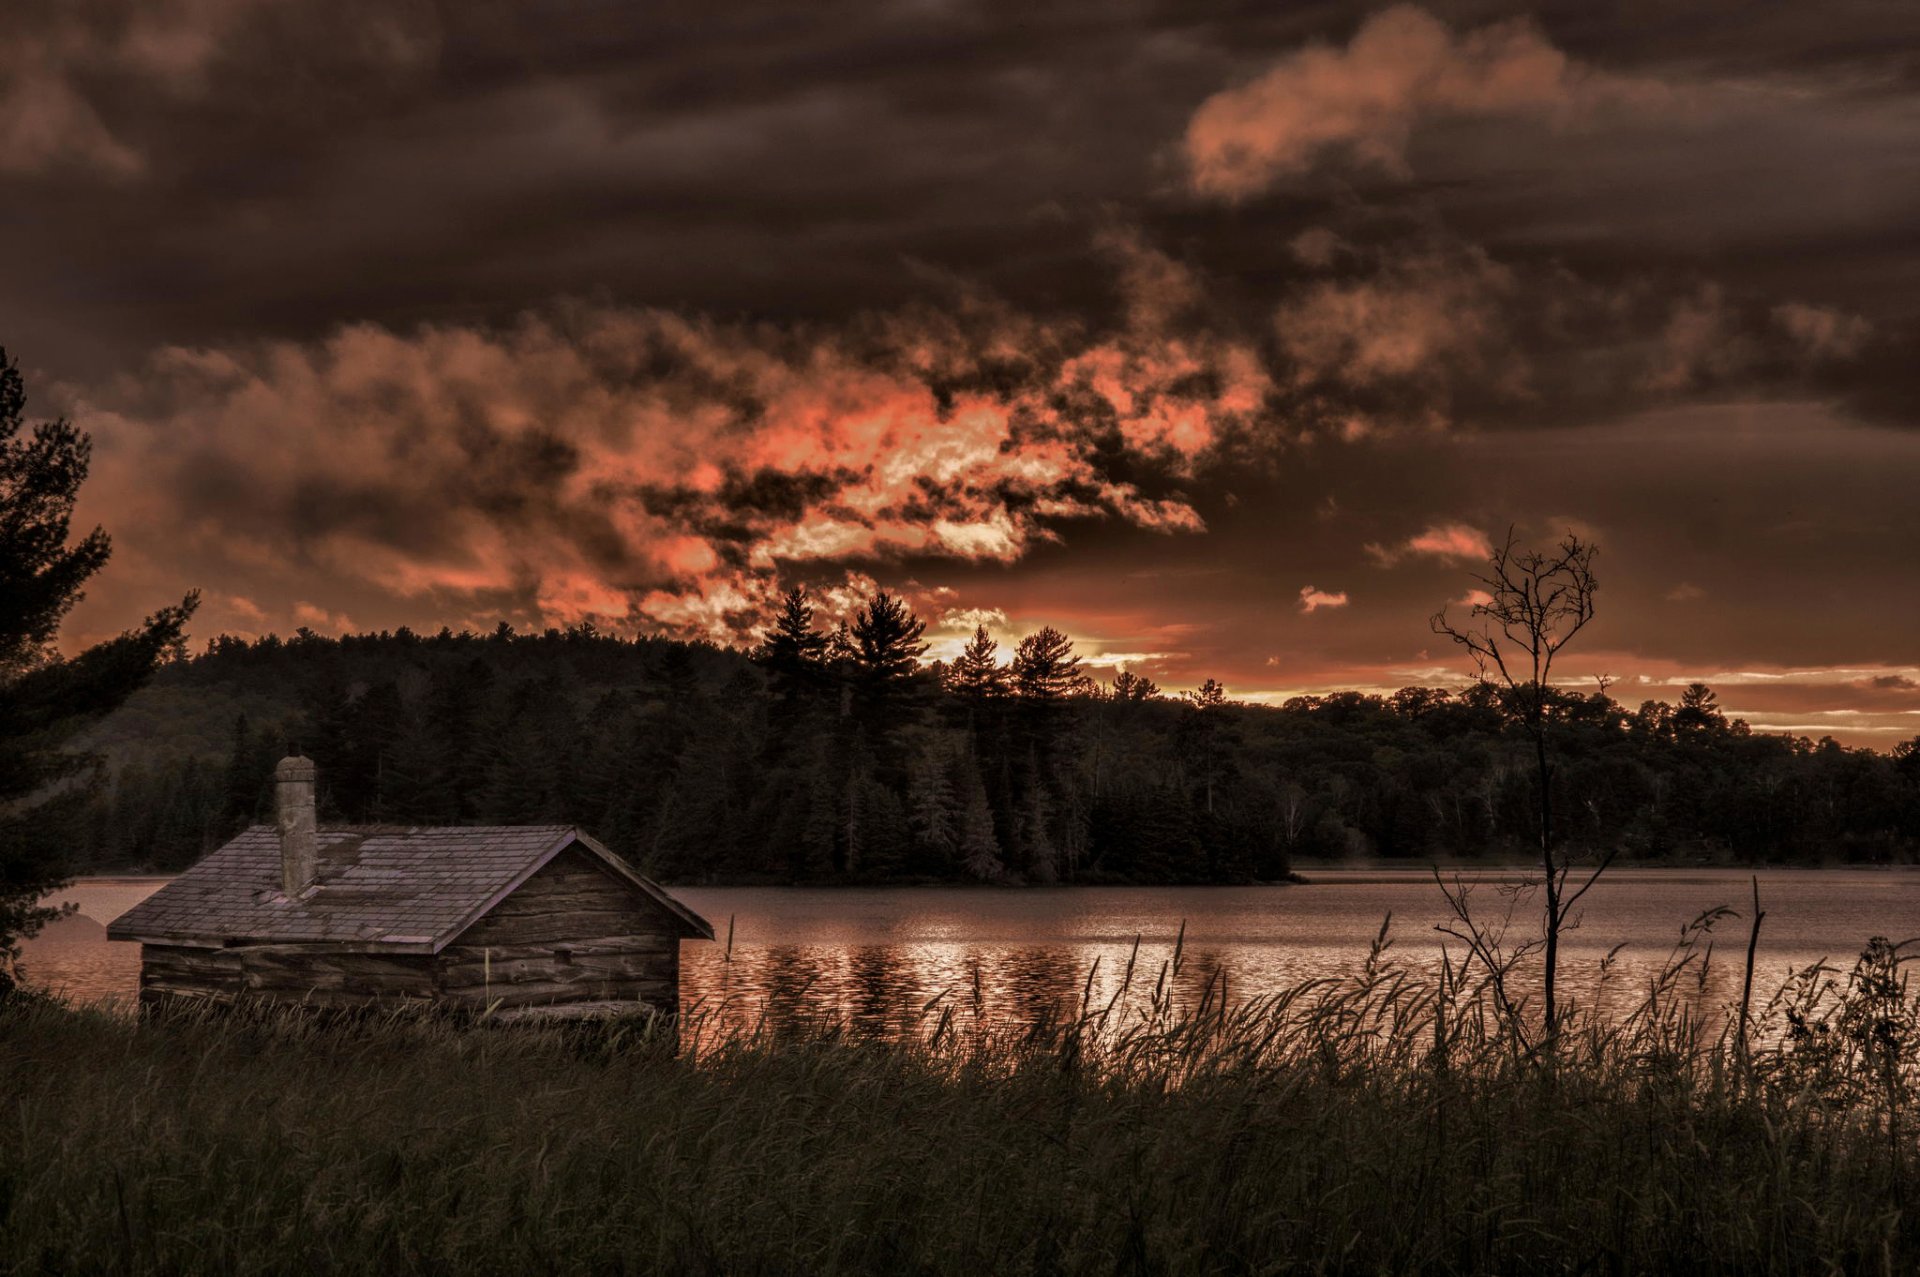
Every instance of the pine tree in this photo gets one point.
(1073, 822)
(814, 856)
(1130, 688)
(409, 775)
(1211, 694)
(855, 816)
(976, 676)
(1204, 734)
(456, 707)
(887, 645)
(1045, 669)
(889, 835)
(525, 754)
(793, 653)
(933, 811)
(46, 699)
(694, 828)
(249, 771)
(1699, 710)
(1045, 673)
(842, 652)
(1036, 835)
(886, 684)
(361, 778)
(979, 850)
(243, 785)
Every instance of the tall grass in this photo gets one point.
(1393, 1122)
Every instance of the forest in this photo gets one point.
(844, 756)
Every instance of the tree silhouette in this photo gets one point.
(673, 753)
(979, 849)
(1045, 670)
(1699, 710)
(976, 676)
(886, 651)
(886, 642)
(1211, 694)
(793, 652)
(45, 699)
(933, 811)
(1204, 735)
(1534, 604)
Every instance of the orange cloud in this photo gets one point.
(640, 466)
(1312, 600)
(315, 617)
(1447, 542)
(1365, 100)
(1452, 541)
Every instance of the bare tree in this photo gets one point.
(1529, 607)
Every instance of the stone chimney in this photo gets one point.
(299, 828)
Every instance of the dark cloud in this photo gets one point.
(291, 166)
(1010, 301)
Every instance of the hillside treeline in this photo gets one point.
(846, 757)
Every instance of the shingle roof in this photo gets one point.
(392, 889)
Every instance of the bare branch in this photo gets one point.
(1537, 603)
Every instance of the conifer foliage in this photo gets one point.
(976, 675)
(47, 698)
(827, 756)
(793, 652)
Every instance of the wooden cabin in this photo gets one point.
(533, 921)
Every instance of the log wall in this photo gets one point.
(283, 973)
(572, 933)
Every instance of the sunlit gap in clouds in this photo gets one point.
(634, 467)
(1355, 297)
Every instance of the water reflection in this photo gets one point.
(874, 986)
(884, 960)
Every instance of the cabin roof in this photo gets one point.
(380, 888)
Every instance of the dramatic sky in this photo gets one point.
(1223, 336)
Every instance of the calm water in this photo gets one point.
(880, 956)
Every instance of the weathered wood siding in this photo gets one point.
(283, 973)
(570, 933)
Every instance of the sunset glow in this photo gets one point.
(1228, 346)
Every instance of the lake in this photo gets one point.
(879, 956)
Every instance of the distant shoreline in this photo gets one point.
(1304, 875)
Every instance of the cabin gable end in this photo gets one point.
(572, 932)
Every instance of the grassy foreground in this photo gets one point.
(1390, 1123)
